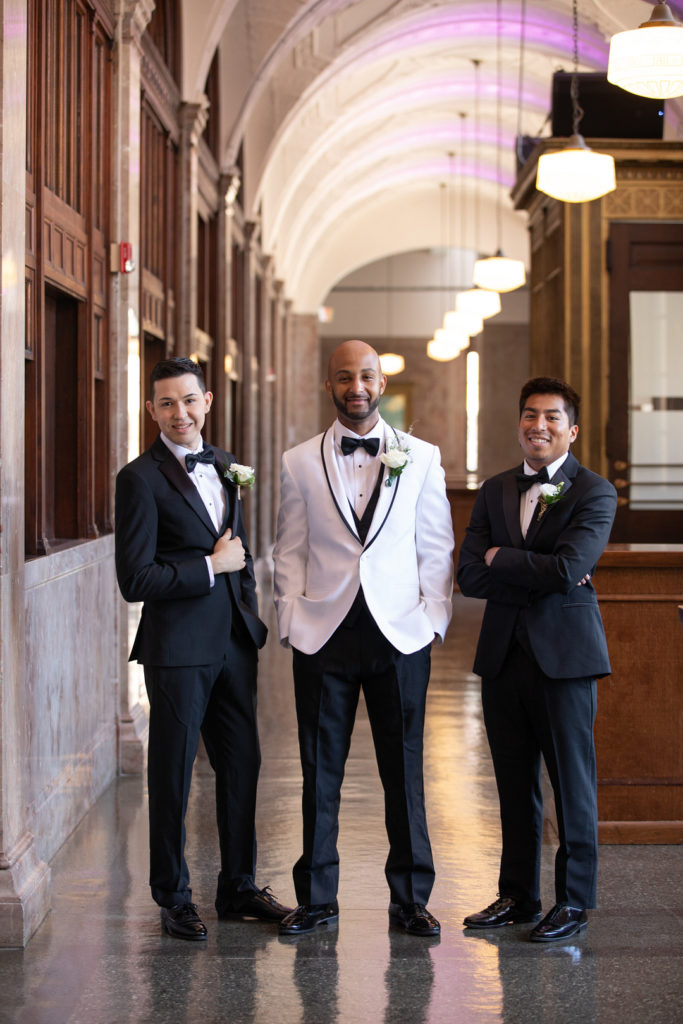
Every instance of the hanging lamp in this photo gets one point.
(648, 60)
(576, 174)
(499, 273)
(482, 301)
(447, 344)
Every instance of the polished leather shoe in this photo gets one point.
(502, 911)
(308, 916)
(260, 904)
(183, 922)
(414, 918)
(560, 923)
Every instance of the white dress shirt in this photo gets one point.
(358, 470)
(529, 499)
(208, 483)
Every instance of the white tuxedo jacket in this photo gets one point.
(405, 566)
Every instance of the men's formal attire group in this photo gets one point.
(197, 640)
(363, 585)
(541, 648)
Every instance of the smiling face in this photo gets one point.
(355, 383)
(545, 432)
(179, 407)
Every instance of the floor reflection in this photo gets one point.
(101, 956)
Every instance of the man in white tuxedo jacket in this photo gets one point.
(363, 586)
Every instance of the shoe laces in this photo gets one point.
(187, 910)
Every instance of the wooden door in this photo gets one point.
(645, 430)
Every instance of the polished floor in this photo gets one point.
(100, 956)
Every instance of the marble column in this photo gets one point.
(193, 118)
(250, 369)
(267, 382)
(304, 376)
(132, 19)
(24, 876)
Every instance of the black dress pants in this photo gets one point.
(327, 686)
(219, 701)
(527, 715)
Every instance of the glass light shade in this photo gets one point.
(576, 174)
(648, 60)
(391, 363)
(482, 301)
(458, 320)
(499, 273)
(446, 345)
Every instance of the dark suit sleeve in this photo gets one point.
(576, 550)
(474, 576)
(143, 573)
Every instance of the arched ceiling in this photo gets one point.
(355, 114)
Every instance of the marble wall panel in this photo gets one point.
(71, 687)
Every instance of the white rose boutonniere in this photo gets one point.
(241, 476)
(396, 458)
(550, 494)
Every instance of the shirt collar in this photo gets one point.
(552, 468)
(340, 431)
(178, 450)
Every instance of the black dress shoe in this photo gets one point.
(308, 916)
(502, 911)
(183, 922)
(414, 918)
(260, 903)
(560, 923)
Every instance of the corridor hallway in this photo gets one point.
(100, 956)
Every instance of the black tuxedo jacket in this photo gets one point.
(163, 533)
(535, 578)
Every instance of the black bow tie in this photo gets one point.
(349, 444)
(526, 480)
(205, 455)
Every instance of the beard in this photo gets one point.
(357, 415)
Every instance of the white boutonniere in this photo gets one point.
(550, 494)
(241, 476)
(396, 458)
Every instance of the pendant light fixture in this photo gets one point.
(446, 343)
(457, 319)
(576, 174)
(648, 60)
(499, 273)
(482, 301)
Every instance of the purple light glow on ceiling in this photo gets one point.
(543, 33)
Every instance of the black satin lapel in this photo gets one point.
(343, 518)
(536, 523)
(511, 510)
(176, 475)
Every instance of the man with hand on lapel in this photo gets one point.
(181, 548)
(363, 586)
(534, 538)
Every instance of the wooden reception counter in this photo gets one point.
(639, 726)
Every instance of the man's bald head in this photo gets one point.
(355, 382)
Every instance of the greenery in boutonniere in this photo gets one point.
(241, 476)
(550, 494)
(396, 458)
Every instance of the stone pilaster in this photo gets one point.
(193, 118)
(132, 19)
(24, 876)
(250, 367)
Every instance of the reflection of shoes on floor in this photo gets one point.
(183, 922)
(560, 923)
(306, 917)
(260, 904)
(502, 911)
(414, 918)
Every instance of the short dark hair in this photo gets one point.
(176, 367)
(552, 386)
